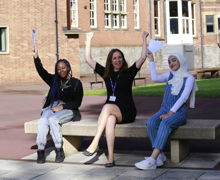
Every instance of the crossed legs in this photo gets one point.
(107, 120)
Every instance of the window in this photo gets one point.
(93, 14)
(209, 23)
(115, 14)
(3, 40)
(193, 19)
(157, 18)
(136, 14)
(74, 13)
(185, 17)
(174, 23)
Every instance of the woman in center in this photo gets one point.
(119, 107)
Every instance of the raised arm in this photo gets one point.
(88, 56)
(47, 77)
(153, 72)
(143, 57)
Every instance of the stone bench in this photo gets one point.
(193, 130)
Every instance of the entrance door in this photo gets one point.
(179, 22)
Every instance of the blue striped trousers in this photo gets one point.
(159, 130)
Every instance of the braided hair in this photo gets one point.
(55, 90)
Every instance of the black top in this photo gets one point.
(123, 91)
(72, 93)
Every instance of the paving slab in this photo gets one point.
(129, 158)
(215, 175)
(181, 174)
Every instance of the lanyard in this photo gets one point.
(113, 86)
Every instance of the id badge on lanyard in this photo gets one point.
(112, 98)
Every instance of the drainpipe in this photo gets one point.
(201, 34)
(57, 38)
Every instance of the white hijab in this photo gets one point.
(178, 76)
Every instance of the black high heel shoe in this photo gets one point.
(87, 153)
(110, 164)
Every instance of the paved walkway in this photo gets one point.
(28, 170)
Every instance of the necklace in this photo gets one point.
(63, 84)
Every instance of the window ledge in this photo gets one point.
(73, 31)
(4, 53)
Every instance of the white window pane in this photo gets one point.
(74, 13)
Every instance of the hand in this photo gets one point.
(35, 53)
(144, 35)
(57, 108)
(150, 55)
(89, 36)
(163, 116)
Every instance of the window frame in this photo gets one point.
(76, 25)
(218, 25)
(95, 13)
(6, 39)
(193, 7)
(209, 24)
(158, 19)
(114, 17)
(136, 8)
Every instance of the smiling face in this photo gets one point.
(174, 63)
(117, 61)
(62, 70)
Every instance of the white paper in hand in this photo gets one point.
(33, 40)
(155, 45)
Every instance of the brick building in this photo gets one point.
(190, 27)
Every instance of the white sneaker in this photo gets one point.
(160, 159)
(149, 163)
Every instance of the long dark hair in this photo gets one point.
(55, 89)
(109, 67)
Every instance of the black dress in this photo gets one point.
(123, 91)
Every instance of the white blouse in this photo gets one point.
(164, 78)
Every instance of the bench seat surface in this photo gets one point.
(194, 129)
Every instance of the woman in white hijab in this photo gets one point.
(180, 88)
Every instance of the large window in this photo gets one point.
(74, 13)
(93, 14)
(157, 18)
(115, 14)
(209, 23)
(3, 40)
(136, 14)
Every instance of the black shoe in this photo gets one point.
(87, 153)
(110, 164)
(40, 157)
(60, 156)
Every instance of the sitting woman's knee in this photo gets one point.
(107, 108)
(52, 120)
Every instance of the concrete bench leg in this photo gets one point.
(71, 144)
(179, 150)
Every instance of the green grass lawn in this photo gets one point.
(207, 88)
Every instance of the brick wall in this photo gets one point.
(21, 17)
